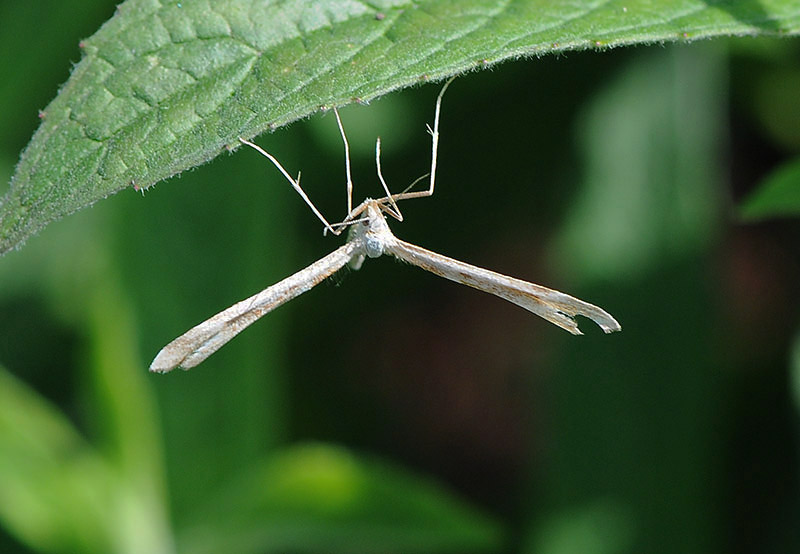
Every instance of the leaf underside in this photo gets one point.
(166, 86)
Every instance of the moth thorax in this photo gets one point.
(373, 246)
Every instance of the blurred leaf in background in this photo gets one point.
(320, 498)
(393, 412)
(777, 196)
(645, 219)
(653, 141)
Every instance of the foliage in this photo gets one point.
(778, 195)
(163, 87)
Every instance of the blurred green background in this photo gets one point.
(391, 411)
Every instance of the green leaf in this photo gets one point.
(778, 195)
(53, 485)
(603, 526)
(165, 86)
(58, 491)
(320, 498)
(128, 429)
(794, 371)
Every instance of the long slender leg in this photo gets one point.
(394, 211)
(353, 217)
(346, 162)
(434, 150)
(435, 135)
(295, 183)
(392, 198)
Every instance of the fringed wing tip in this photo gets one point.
(610, 328)
(568, 323)
(568, 307)
(603, 319)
